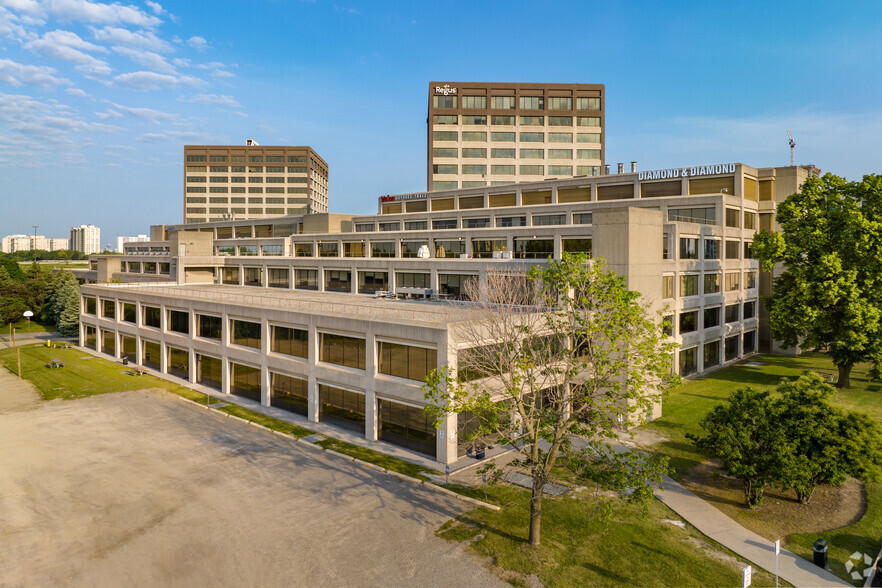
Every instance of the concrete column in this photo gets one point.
(163, 357)
(82, 342)
(446, 440)
(313, 401)
(139, 349)
(371, 416)
(192, 365)
(225, 375)
(265, 384)
(117, 345)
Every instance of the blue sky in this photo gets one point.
(98, 99)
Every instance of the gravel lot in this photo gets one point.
(139, 488)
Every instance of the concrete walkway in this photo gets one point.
(713, 523)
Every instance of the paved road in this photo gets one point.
(140, 489)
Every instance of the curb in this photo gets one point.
(368, 464)
(338, 454)
(310, 445)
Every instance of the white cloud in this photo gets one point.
(76, 92)
(222, 74)
(83, 11)
(197, 43)
(121, 36)
(221, 100)
(17, 74)
(108, 115)
(155, 6)
(174, 136)
(31, 119)
(181, 62)
(69, 47)
(148, 81)
(148, 114)
(149, 59)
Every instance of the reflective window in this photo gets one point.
(152, 316)
(209, 326)
(129, 312)
(305, 279)
(289, 393)
(371, 281)
(338, 281)
(245, 333)
(341, 407)
(290, 341)
(245, 381)
(342, 350)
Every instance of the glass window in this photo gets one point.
(290, 341)
(178, 362)
(412, 248)
(503, 137)
(711, 248)
(474, 102)
(406, 361)
(407, 426)
(342, 350)
(382, 248)
(588, 138)
(533, 121)
(365, 227)
(749, 345)
(472, 152)
(731, 348)
(278, 278)
(733, 216)
(732, 249)
(688, 321)
(342, 407)
(749, 220)
(532, 153)
(749, 310)
(689, 285)
(179, 321)
(588, 104)
(303, 250)
(712, 317)
(444, 223)
(582, 218)
(560, 170)
(560, 154)
(390, 226)
(445, 136)
(195, 158)
(370, 282)
(108, 309)
(497, 119)
(532, 102)
(245, 381)
(502, 102)
(455, 285)
(502, 153)
(667, 286)
(412, 280)
(485, 248)
(289, 393)
(748, 250)
(245, 333)
(449, 248)
(129, 312)
(560, 103)
(576, 246)
(549, 219)
(560, 138)
(560, 121)
(750, 279)
(475, 223)
(507, 170)
(445, 119)
(732, 313)
(338, 281)
(733, 281)
(711, 283)
(588, 121)
(356, 249)
(474, 119)
(693, 215)
(253, 276)
(474, 136)
(688, 248)
(511, 221)
(416, 225)
(209, 326)
(533, 248)
(711, 354)
(329, 249)
(151, 356)
(588, 153)
(532, 137)
(444, 101)
(532, 170)
(305, 279)
(473, 169)
(152, 316)
(445, 152)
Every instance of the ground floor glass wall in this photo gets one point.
(151, 355)
(341, 407)
(245, 381)
(289, 393)
(209, 371)
(108, 342)
(407, 426)
(90, 338)
(179, 362)
(129, 346)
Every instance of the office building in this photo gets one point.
(85, 238)
(297, 312)
(252, 181)
(120, 241)
(488, 134)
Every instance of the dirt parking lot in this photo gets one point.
(139, 488)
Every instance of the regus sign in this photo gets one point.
(445, 90)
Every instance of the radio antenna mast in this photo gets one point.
(792, 146)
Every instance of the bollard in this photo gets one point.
(819, 552)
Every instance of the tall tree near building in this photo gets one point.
(830, 293)
(565, 351)
(64, 305)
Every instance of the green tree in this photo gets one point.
(11, 309)
(824, 444)
(13, 269)
(566, 351)
(829, 294)
(68, 305)
(744, 435)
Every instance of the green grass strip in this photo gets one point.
(267, 421)
(388, 462)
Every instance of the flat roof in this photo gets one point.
(425, 313)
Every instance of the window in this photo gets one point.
(412, 280)
(338, 281)
(290, 341)
(449, 248)
(412, 248)
(731, 348)
(560, 154)
(209, 326)
(474, 119)
(484, 248)
(245, 333)
(732, 217)
(533, 248)
(474, 136)
(248, 250)
(289, 393)
(750, 310)
(693, 215)
(748, 250)
(152, 316)
(668, 325)
(179, 321)
(303, 250)
(532, 102)
(195, 158)
(129, 312)
(588, 138)
(689, 285)
(587, 153)
(382, 249)
(390, 226)
(444, 101)
(733, 281)
(407, 426)
(750, 279)
(406, 361)
(178, 362)
(108, 309)
(455, 285)
(667, 286)
(328, 249)
(749, 344)
(218, 158)
(711, 248)
(444, 223)
(416, 225)
(588, 121)
(732, 249)
(354, 249)
(445, 168)
(532, 121)
(365, 227)
(370, 282)
(342, 350)
(245, 381)
(560, 103)
(532, 153)
(445, 119)
(732, 313)
(502, 102)
(503, 137)
(560, 121)
(711, 317)
(474, 169)
(253, 276)
(712, 283)
(475, 223)
(560, 138)
(444, 136)
(474, 102)
(688, 248)
(305, 279)
(711, 354)
(278, 278)
(502, 153)
(532, 137)
(532, 170)
(582, 218)
(749, 220)
(511, 221)
(576, 246)
(549, 219)
(688, 321)
(296, 159)
(588, 104)
(342, 407)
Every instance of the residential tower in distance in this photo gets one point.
(13, 243)
(85, 238)
(488, 134)
(252, 181)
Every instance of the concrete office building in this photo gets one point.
(85, 238)
(252, 181)
(487, 134)
(120, 241)
(295, 312)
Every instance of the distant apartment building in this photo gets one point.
(120, 241)
(13, 243)
(252, 181)
(85, 238)
(488, 134)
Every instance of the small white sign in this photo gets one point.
(777, 546)
(745, 577)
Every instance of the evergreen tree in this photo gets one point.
(67, 304)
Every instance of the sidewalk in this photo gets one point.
(713, 523)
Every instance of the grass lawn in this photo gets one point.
(21, 328)
(577, 550)
(381, 459)
(686, 406)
